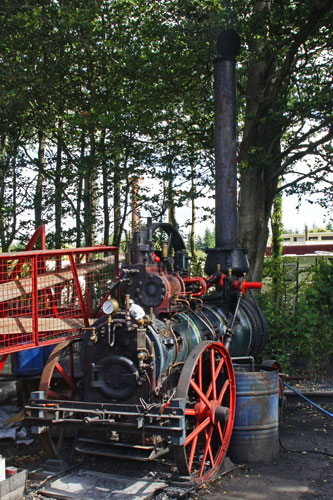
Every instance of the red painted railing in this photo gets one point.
(48, 296)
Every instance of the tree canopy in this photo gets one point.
(95, 94)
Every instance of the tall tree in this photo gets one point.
(286, 116)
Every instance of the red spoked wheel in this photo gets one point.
(58, 381)
(207, 384)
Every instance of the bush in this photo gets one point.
(302, 341)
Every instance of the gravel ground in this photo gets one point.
(302, 475)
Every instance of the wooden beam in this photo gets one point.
(23, 326)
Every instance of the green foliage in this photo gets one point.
(197, 266)
(206, 241)
(119, 87)
(302, 341)
(316, 229)
(124, 88)
(276, 248)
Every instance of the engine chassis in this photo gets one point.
(164, 421)
(197, 425)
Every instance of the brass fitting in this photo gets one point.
(93, 336)
(127, 301)
(164, 250)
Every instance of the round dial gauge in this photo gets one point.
(108, 307)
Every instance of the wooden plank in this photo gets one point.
(15, 326)
(17, 288)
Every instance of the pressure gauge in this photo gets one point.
(110, 306)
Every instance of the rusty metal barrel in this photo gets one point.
(255, 436)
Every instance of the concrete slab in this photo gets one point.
(90, 485)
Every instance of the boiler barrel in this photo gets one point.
(255, 436)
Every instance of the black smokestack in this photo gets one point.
(225, 254)
(228, 45)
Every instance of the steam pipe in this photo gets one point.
(226, 234)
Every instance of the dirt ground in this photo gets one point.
(292, 476)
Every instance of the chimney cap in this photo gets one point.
(228, 44)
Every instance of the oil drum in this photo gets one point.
(255, 436)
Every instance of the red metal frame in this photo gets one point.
(39, 233)
(3, 360)
(46, 296)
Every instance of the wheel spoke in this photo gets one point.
(217, 373)
(208, 448)
(223, 391)
(200, 393)
(197, 430)
(210, 451)
(212, 367)
(71, 362)
(64, 375)
(190, 411)
(193, 448)
(220, 432)
(53, 394)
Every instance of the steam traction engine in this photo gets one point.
(156, 372)
(155, 369)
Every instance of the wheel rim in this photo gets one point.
(58, 383)
(207, 384)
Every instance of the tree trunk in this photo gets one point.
(58, 186)
(116, 207)
(3, 170)
(253, 221)
(14, 199)
(119, 219)
(38, 198)
(8, 202)
(276, 248)
(90, 195)
(106, 214)
(259, 154)
(171, 204)
(79, 192)
(192, 233)
(135, 205)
